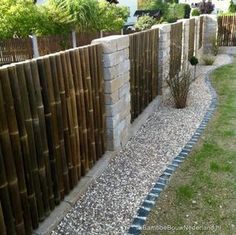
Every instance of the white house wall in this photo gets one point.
(133, 6)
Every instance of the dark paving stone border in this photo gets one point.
(149, 202)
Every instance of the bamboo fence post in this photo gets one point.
(65, 118)
(69, 105)
(4, 193)
(40, 110)
(5, 140)
(2, 223)
(82, 115)
(64, 169)
(31, 139)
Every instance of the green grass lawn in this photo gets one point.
(201, 195)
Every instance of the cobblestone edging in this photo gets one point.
(150, 200)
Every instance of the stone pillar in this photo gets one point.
(197, 30)
(164, 54)
(185, 41)
(209, 32)
(116, 66)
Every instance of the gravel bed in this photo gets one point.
(111, 201)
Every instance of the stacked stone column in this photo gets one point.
(185, 41)
(209, 32)
(164, 54)
(116, 66)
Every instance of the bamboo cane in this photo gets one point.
(89, 104)
(55, 139)
(40, 110)
(53, 150)
(24, 148)
(5, 140)
(31, 138)
(69, 105)
(74, 113)
(18, 149)
(94, 92)
(2, 223)
(76, 70)
(64, 169)
(5, 198)
(101, 97)
(82, 115)
(65, 118)
(38, 137)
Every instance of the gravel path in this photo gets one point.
(111, 201)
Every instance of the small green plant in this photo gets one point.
(145, 22)
(195, 12)
(194, 61)
(208, 59)
(179, 87)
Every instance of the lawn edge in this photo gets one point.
(162, 181)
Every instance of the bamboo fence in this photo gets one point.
(20, 49)
(175, 48)
(52, 125)
(227, 30)
(144, 69)
(15, 50)
(191, 38)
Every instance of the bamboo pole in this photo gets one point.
(24, 147)
(38, 137)
(74, 113)
(18, 149)
(89, 105)
(55, 135)
(64, 168)
(82, 115)
(94, 94)
(31, 138)
(40, 110)
(76, 70)
(65, 118)
(69, 105)
(101, 98)
(2, 223)
(5, 101)
(53, 150)
(5, 197)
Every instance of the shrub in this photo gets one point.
(195, 12)
(179, 87)
(208, 59)
(145, 22)
(178, 11)
(232, 7)
(206, 7)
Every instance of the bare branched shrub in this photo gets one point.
(179, 87)
(208, 59)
